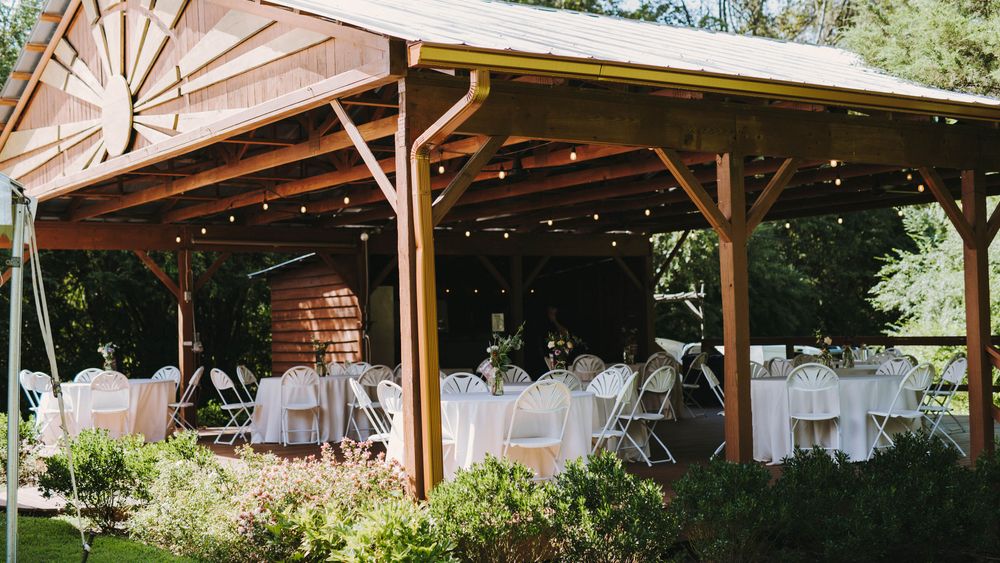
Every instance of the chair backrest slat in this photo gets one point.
(568, 378)
(463, 383)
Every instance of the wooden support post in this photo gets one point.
(186, 360)
(413, 459)
(735, 308)
(977, 313)
(517, 301)
(364, 296)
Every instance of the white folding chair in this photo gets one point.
(247, 381)
(661, 382)
(27, 381)
(779, 367)
(38, 384)
(463, 383)
(622, 370)
(609, 386)
(397, 374)
(812, 384)
(335, 368)
(355, 369)
(87, 375)
(514, 374)
(568, 378)
(917, 379)
(691, 381)
(369, 380)
(937, 403)
(169, 373)
(757, 371)
(587, 366)
(364, 404)
(236, 407)
(109, 397)
(186, 401)
(541, 399)
(895, 366)
(300, 395)
(656, 361)
(720, 395)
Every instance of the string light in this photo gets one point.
(532, 291)
(506, 235)
(909, 177)
(614, 243)
(232, 218)
(347, 200)
(549, 222)
(264, 206)
(788, 225)
(840, 220)
(447, 291)
(650, 239)
(440, 168)
(302, 209)
(834, 164)
(920, 188)
(572, 154)
(502, 174)
(648, 212)
(900, 213)
(503, 291)
(837, 181)
(468, 233)
(475, 291)
(204, 231)
(596, 217)
(178, 240)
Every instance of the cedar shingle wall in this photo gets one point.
(312, 302)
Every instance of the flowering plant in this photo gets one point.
(825, 357)
(107, 351)
(319, 354)
(499, 355)
(561, 348)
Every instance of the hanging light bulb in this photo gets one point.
(909, 177)
(920, 188)
(502, 174)
(468, 233)
(549, 222)
(475, 291)
(650, 239)
(648, 212)
(900, 213)
(837, 181)
(788, 225)
(506, 235)
(614, 243)
(833, 163)
(447, 291)
(572, 154)
(204, 231)
(840, 220)
(232, 218)
(264, 206)
(503, 291)
(440, 168)
(302, 209)
(178, 240)
(347, 200)
(596, 217)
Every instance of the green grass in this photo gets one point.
(52, 539)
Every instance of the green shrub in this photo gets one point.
(604, 514)
(111, 476)
(726, 511)
(493, 511)
(30, 463)
(191, 511)
(210, 415)
(182, 446)
(987, 541)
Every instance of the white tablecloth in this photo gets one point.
(333, 394)
(860, 391)
(148, 414)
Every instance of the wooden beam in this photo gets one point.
(771, 192)
(977, 314)
(451, 194)
(947, 201)
(171, 286)
(35, 47)
(501, 281)
(206, 276)
(629, 273)
(993, 225)
(367, 156)
(51, 17)
(17, 75)
(278, 157)
(696, 192)
(533, 275)
(708, 126)
(664, 266)
(735, 310)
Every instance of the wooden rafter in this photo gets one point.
(664, 266)
(167, 282)
(993, 225)
(488, 265)
(451, 194)
(696, 192)
(771, 192)
(947, 201)
(206, 276)
(370, 160)
(533, 274)
(629, 273)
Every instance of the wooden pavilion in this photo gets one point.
(240, 125)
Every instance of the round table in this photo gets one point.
(148, 413)
(860, 391)
(333, 392)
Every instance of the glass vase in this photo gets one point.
(496, 384)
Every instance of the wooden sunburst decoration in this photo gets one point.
(122, 109)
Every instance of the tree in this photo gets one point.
(17, 18)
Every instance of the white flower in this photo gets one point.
(569, 345)
(552, 344)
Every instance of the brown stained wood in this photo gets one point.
(944, 197)
(369, 158)
(494, 273)
(153, 267)
(696, 192)
(977, 315)
(384, 273)
(735, 310)
(206, 276)
(771, 192)
(993, 225)
(994, 355)
(533, 275)
(629, 273)
(664, 266)
(461, 182)
(335, 141)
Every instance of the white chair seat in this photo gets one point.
(690, 385)
(814, 415)
(897, 414)
(374, 404)
(380, 437)
(644, 416)
(307, 406)
(105, 411)
(535, 442)
(180, 405)
(934, 408)
(607, 434)
(237, 406)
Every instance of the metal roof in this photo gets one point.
(27, 61)
(501, 26)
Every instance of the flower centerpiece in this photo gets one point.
(499, 355)
(561, 347)
(319, 355)
(107, 351)
(825, 357)
(848, 356)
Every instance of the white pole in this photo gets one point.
(13, 367)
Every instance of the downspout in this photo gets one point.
(423, 225)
